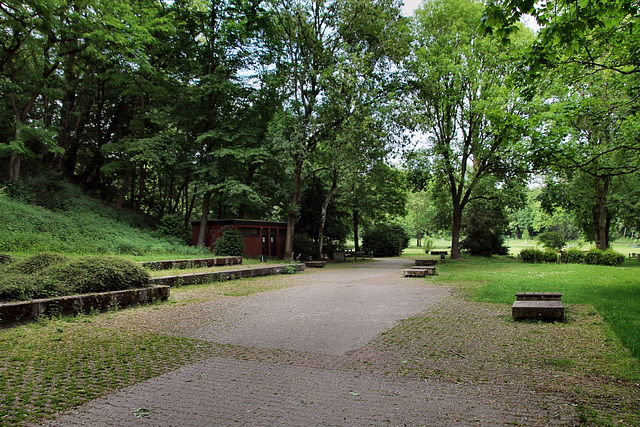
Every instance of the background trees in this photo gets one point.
(463, 103)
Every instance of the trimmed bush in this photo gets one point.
(385, 240)
(229, 244)
(100, 274)
(611, 257)
(550, 256)
(37, 263)
(573, 256)
(49, 275)
(303, 246)
(594, 257)
(532, 255)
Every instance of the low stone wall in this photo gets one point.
(190, 263)
(73, 304)
(190, 279)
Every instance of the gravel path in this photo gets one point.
(335, 349)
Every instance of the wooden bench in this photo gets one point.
(426, 262)
(538, 306)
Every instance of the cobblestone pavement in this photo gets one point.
(297, 357)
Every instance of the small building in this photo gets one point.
(260, 237)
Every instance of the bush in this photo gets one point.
(427, 244)
(172, 225)
(99, 274)
(229, 244)
(304, 246)
(550, 256)
(594, 257)
(385, 240)
(531, 255)
(49, 275)
(611, 257)
(573, 256)
(37, 263)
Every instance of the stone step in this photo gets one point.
(538, 296)
(426, 262)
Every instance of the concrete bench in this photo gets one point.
(315, 264)
(419, 271)
(426, 262)
(538, 306)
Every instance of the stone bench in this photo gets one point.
(315, 264)
(538, 306)
(419, 271)
(426, 262)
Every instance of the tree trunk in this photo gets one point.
(356, 223)
(602, 191)
(292, 215)
(204, 219)
(323, 215)
(455, 231)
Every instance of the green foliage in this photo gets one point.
(532, 255)
(594, 257)
(304, 247)
(611, 257)
(172, 225)
(427, 244)
(385, 240)
(47, 275)
(6, 259)
(36, 263)
(572, 256)
(100, 274)
(483, 225)
(552, 240)
(229, 244)
(549, 255)
(87, 227)
(289, 269)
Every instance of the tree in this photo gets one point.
(598, 35)
(464, 103)
(330, 52)
(590, 142)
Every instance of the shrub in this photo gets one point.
(99, 274)
(304, 246)
(573, 256)
(552, 239)
(172, 225)
(611, 257)
(532, 255)
(6, 259)
(229, 244)
(594, 256)
(550, 255)
(37, 263)
(427, 243)
(385, 240)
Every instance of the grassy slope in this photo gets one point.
(82, 226)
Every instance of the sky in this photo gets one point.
(410, 6)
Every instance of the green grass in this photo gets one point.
(613, 291)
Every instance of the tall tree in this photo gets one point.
(330, 51)
(464, 103)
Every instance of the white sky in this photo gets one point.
(410, 6)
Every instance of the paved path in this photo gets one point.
(332, 313)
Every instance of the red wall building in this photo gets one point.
(260, 237)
